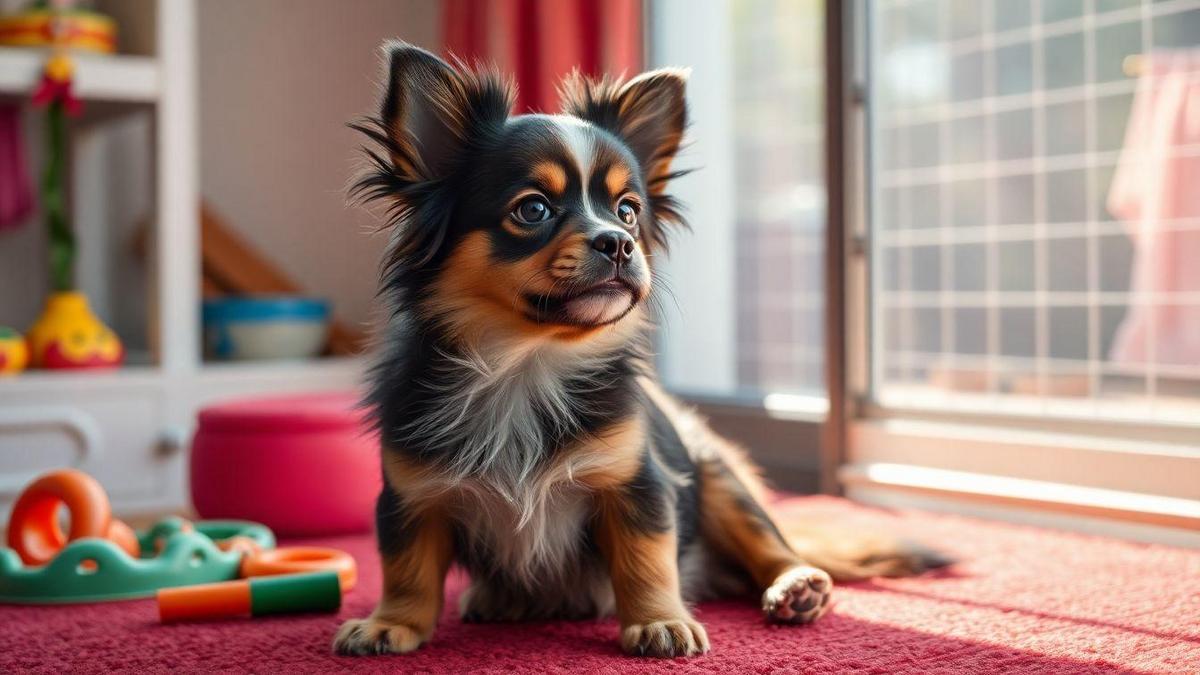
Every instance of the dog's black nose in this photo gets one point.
(615, 245)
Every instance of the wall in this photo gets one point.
(23, 266)
(279, 79)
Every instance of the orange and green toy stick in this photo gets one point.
(257, 596)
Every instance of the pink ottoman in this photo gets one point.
(303, 465)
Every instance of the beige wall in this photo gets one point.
(279, 79)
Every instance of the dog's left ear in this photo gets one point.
(648, 112)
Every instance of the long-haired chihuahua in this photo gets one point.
(524, 434)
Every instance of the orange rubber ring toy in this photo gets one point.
(246, 545)
(123, 535)
(296, 559)
(33, 529)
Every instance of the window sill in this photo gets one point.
(1018, 492)
(795, 407)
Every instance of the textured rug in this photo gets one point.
(1022, 600)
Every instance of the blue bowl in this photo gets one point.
(265, 327)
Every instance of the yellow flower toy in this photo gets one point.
(68, 335)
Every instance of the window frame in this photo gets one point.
(785, 434)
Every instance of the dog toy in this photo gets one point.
(302, 559)
(33, 528)
(93, 569)
(278, 581)
(258, 596)
(101, 558)
(189, 565)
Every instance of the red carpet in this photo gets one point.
(1022, 601)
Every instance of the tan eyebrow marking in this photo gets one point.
(616, 179)
(551, 175)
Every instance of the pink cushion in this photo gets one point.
(300, 464)
(319, 411)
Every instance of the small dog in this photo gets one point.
(524, 434)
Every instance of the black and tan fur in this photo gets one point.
(524, 435)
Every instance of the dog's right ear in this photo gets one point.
(431, 110)
(431, 113)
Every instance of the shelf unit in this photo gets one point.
(118, 77)
(130, 427)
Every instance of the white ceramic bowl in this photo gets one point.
(258, 327)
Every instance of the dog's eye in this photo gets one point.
(532, 210)
(627, 212)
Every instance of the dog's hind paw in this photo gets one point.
(799, 595)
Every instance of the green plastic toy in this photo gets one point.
(94, 569)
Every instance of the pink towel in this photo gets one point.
(1156, 191)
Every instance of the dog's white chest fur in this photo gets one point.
(499, 418)
(535, 550)
(493, 416)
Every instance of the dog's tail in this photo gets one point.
(739, 513)
(851, 555)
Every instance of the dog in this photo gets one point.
(525, 436)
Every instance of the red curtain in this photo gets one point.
(539, 41)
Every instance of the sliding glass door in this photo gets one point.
(1031, 193)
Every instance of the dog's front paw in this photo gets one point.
(799, 595)
(365, 637)
(665, 639)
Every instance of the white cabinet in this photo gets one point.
(112, 431)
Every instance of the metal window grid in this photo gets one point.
(1032, 329)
